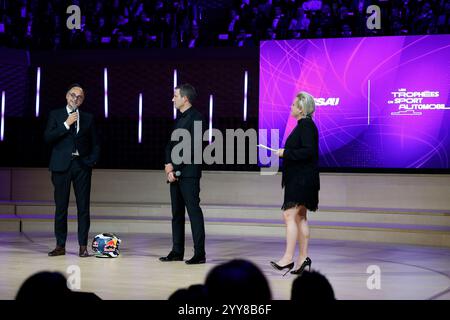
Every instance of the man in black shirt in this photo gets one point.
(184, 177)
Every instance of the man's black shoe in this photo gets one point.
(171, 257)
(196, 260)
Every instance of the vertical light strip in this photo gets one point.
(175, 81)
(368, 103)
(105, 84)
(140, 119)
(211, 106)
(38, 89)
(245, 94)
(2, 123)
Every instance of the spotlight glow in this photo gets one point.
(105, 84)
(211, 107)
(2, 123)
(38, 89)
(175, 81)
(245, 94)
(140, 119)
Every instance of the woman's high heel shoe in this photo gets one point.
(280, 268)
(305, 263)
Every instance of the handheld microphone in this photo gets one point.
(76, 122)
(177, 174)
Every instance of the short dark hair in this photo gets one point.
(44, 284)
(237, 280)
(312, 286)
(195, 293)
(187, 90)
(76, 85)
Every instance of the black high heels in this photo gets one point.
(305, 263)
(280, 268)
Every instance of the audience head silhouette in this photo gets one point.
(195, 293)
(312, 286)
(44, 285)
(237, 280)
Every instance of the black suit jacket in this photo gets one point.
(63, 140)
(301, 155)
(186, 121)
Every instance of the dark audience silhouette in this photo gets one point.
(195, 293)
(51, 287)
(237, 280)
(312, 286)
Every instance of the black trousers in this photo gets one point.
(185, 194)
(80, 176)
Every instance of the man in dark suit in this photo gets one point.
(184, 178)
(75, 150)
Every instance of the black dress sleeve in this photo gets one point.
(306, 151)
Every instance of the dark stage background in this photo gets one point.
(217, 71)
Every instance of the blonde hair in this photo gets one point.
(305, 102)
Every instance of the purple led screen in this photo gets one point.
(381, 102)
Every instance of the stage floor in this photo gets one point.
(407, 272)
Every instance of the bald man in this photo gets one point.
(75, 150)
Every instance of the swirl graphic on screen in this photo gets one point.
(381, 102)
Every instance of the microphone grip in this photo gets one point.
(177, 174)
(75, 123)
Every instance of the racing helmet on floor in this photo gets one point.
(106, 245)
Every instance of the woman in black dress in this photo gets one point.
(300, 181)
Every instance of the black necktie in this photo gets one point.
(73, 131)
(73, 127)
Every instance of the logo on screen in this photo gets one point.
(412, 103)
(321, 102)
